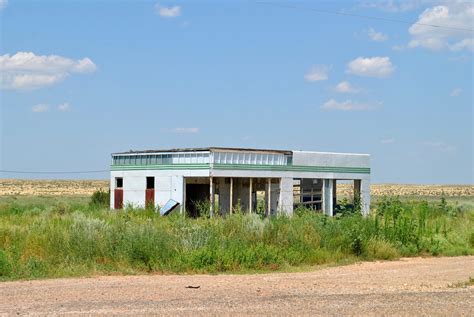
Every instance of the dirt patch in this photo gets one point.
(405, 287)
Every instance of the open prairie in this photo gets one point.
(18, 187)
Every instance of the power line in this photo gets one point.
(282, 5)
(53, 172)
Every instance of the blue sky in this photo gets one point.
(83, 79)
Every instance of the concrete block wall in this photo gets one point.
(167, 186)
(306, 158)
(286, 196)
(275, 197)
(170, 184)
(224, 198)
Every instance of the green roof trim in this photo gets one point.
(161, 167)
(294, 168)
(283, 168)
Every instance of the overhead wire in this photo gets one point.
(290, 6)
(53, 172)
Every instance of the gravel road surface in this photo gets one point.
(414, 286)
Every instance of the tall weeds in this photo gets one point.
(71, 239)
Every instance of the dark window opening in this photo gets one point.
(118, 182)
(197, 199)
(150, 182)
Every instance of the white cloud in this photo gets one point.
(456, 92)
(17, 80)
(185, 130)
(439, 146)
(43, 107)
(168, 12)
(388, 141)
(451, 15)
(40, 108)
(344, 87)
(25, 70)
(393, 5)
(399, 48)
(371, 67)
(318, 73)
(348, 105)
(376, 36)
(64, 107)
(3, 4)
(467, 44)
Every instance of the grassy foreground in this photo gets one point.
(72, 238)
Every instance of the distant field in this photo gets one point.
(14, 187)
(18, 187)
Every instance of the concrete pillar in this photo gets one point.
(183, 205)
(365, 196)
(250, 196)
(242, 197)
(356, 190)
(269, 197)
(274, 198)
(285, 200)
(231, 203)
(334, 193)
(328, 207)
(211, 193)
(224, 190)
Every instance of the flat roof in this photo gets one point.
(204, 149)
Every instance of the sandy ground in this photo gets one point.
(416, 286)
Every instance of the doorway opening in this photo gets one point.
(150, 192)
(118, 193)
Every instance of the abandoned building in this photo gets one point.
(237, 178)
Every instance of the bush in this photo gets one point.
(100, 199)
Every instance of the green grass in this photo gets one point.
(59, 237)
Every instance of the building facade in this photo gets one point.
(234, 178)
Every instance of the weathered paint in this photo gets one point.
(304, 165)
(118, 198)
(149, 197)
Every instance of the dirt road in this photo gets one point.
(431, 286)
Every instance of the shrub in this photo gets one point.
(380, 249)
(203, 208)
(100, 199)
(5, 265)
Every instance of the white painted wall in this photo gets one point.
(328, 187)
(169, 184)
(283, 174)
(305, 158)
(365, 196)
(274, 198)
(286, 196)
